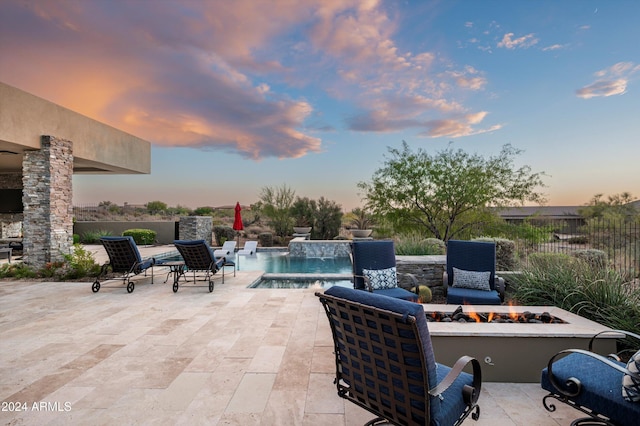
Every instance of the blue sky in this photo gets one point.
(235, 96)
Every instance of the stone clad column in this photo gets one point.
(196, 228)
(47, 197)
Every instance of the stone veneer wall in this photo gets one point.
(196, 228)
(428, 271)
(301, 247)
(47, 198)
(10, 223)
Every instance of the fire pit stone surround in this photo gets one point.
(512, 352)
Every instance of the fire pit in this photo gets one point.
(511, 317)
(511, 350)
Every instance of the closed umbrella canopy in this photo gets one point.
(237, 221)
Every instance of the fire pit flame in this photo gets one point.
(492, 317)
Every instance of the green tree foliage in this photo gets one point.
(203, 211)
(156, 207)
(303, 211)
(328, 219)
(617, 206)
(276, 206)
(446, 193)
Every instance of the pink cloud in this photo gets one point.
(610, 81)
(508, 42)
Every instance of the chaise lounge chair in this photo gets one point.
(198, 259)
(249, 249)
(386, 365)
(470, 277)
(124, 257)
(374, 269)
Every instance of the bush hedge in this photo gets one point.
(505, 252)
(141, 236)
(265, 239)
(223, 233)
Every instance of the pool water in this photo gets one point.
(279, 262)
(300, 283)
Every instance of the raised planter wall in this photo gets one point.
(428, 271)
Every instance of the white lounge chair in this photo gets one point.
(249, 249)
(228, 249)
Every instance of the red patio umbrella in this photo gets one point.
(237, 221)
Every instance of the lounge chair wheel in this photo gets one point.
(175, 287)
(130, 287)
(210, 286)
(95, 287)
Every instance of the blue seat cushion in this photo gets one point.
(461, 296)
(601, 387)
(397, 292)
(446, 410)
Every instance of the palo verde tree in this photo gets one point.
(446, 193)
(276, 206)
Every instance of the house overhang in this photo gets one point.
(97, 147)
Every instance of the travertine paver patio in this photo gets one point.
(236, 356)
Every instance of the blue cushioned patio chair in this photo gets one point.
(386, 365)
(378, 256)
(124, 257)
(473, 259)
(593, 384)
(198, 259)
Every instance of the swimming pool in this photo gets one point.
(300, 283)
(279, 262)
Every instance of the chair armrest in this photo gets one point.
(414, 281)
(572, 387)
(499, 285)
(470, 393)
(367, 283)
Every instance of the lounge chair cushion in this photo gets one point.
(600, 387)
(460, 296)
(381, 278)
(631, 386)
(476, 280)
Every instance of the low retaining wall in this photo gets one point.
(428, 271)
(166, 231)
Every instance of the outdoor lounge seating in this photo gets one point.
(374, 269)
(386, 365)
(198, 259)
(603, 387)
(249, 249)
(228, 252)
(470, 277)
(228, 249)
(124, 258)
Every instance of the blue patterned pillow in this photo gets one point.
(381, 278)
(631, 386)
(471, 279)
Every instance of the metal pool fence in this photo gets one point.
(619, 239)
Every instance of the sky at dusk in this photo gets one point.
(238, 95)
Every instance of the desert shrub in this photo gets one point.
(595, 258)
(141, 236)
(505, 252)
(580, 239)
(79, 263)
(17, 270)
(602, 295)
(223, 233)
(265, 239)
(76, 239)
(415, 244)
(93, 237)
